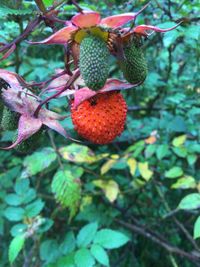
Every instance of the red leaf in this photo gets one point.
(120, 20)
(142, 29)
(27, 127)
(86, 19)
(115, 84)
(82, 95)
(56, 126)
(60, 37)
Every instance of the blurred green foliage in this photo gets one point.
(139, 195)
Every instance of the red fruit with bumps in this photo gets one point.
(101, 118)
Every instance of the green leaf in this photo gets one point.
(179, 141)
(15, 247)
(48, 2)
(100, 254)
(197, 228)
(180, 151)
(22, 186)
(13, 199)
(86, 234)
(34, 208)
(192, 158)
(14, 214)
(39, 162)
(83, 258)
(49, 250)
(177, 124)
(174, 172)
(5, 11)
(18, 229)
(68, 244)
(150, 150)
(162, 151)
(110, 239)
(190, 202)
(66, 261)
(67, 188)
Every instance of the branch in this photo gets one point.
(68, 84)
(30, 27)
(194, 256)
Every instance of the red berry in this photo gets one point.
(101, 118)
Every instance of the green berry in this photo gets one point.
(134, 66)
(30, 144)
(9, 120)
(94, 62)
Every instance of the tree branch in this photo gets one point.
(193, 256)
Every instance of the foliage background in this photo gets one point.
(145, 193)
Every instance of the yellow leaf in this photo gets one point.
(132, 163)
(114, 156)
(85, 201)
(109, 187)
(179, 141)
(80, 154)
(144, 170)
(185, 182)
(108, 165)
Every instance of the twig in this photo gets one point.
(56, 150)
(77, 6)
(179, 224)
(69, 82)
(30, 27)
(193, 256)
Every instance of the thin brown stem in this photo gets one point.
(68, 84)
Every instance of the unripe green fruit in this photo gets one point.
(1, 109)
(134, 66)
(30, 144)
(9, 120)
(93, 62)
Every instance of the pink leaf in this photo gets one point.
(142, 29)
(56, 126)
(60, 37)
(10, 51)
(115, 84)
(82, 95)
(27, 127)
(86, 19)
(11, 78)
(119, 20)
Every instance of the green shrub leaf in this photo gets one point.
(190, 202)
(15, 247)
(86, 234)
(110, 239)
(83, 258)
(100, 254)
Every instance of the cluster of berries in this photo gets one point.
(99, 114)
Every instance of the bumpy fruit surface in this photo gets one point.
(1, 109)
(30, 144)
(101, 118)
(134, 66)
(93, 62)
(9, 120)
